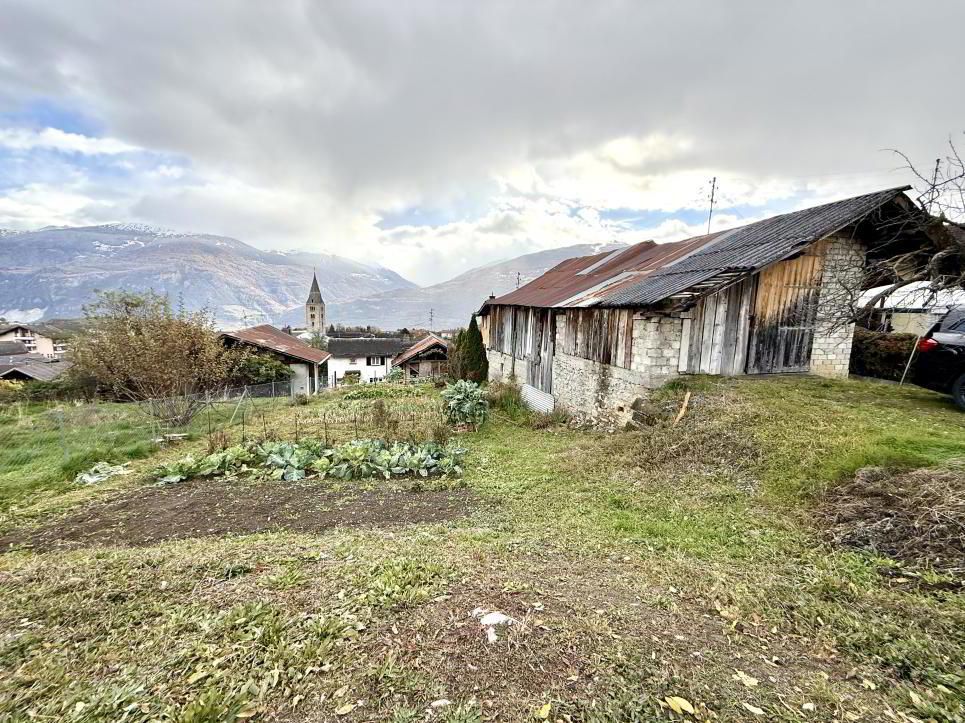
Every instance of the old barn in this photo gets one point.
(596, 332)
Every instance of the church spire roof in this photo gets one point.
(315, 295)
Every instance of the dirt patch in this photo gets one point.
(215, 508)
(917, 517)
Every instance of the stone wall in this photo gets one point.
(589, 387)
(843, 268)
(503, 366)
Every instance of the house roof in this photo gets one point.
(424, 344)
(8, 348)
(4, 328)
(650, 273)
(266, 336)
(34, 366)
(376, 346)
(918, 296)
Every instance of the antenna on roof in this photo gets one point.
(713, 194)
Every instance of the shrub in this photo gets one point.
(262, 369)
(881, 355)
(10, 391)
(137, 348)
(464, 403)
(299, 400)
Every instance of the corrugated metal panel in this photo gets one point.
(537, 400)
(748, 248)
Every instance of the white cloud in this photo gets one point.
(22, 139)
(37, 205)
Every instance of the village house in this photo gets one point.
(33, 340)
(18, 364)
(912, 309)
(595, 333)
(428, 357)
(309, 365)
(362, 359)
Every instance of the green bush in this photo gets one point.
(881, 355)
(294, 461)
(263, 369)
(465, 404)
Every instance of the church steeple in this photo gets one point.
(315, 309)
(315, 295)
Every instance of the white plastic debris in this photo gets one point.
(491, 620)
(100, 472)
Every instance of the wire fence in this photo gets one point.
(51, 442)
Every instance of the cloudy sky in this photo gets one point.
(431, 137)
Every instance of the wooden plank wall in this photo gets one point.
(785, 313)
(527, 333)
(715, 337)
(601, 335)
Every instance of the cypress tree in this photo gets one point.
(473, 354)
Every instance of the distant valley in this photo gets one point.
(51, 273)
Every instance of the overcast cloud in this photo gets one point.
(434, 136)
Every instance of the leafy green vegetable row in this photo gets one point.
(294, 461)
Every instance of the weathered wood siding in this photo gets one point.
(601, 335)
(715, 337)
(785, 314)
(526, 333)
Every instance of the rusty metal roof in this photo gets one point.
(579, 281)
(266, 336)
(649, 273)
(425, 343)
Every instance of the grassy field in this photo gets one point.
(666, 574)
(44, 445)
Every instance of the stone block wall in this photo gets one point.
(589, 387)
(842, 274)
(503, 366)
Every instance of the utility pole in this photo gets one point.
(518, 275)
(431, 312)
(934, 184)
(713, 194)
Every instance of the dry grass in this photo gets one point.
(917, 517)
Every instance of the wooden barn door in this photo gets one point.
(539, 371)
(785, 313)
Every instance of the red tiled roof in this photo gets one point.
(420, 346)
(266, 336)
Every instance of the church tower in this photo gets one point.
(315, 309)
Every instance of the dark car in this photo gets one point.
(940, 363)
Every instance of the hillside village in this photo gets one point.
(546, 362)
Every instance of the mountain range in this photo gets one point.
(452, 302)
(52, 272)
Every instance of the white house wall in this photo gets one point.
(338, 366)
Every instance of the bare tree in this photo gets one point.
(937, 220)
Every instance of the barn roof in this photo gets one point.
(34, 366)
(649, 273)
(424, 344)
(371, 346)
(266, 336)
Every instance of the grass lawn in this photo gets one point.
(667, 574)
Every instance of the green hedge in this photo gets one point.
(881, 355)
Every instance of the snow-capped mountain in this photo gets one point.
(453, 301)
(53, 272)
